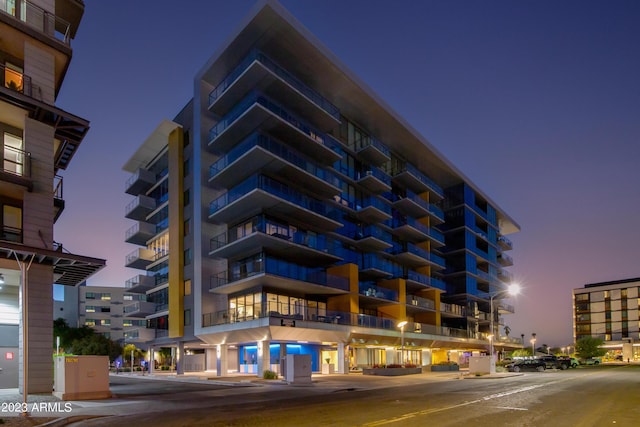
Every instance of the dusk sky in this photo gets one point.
(536, 102)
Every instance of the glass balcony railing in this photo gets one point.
(271, 186)
(315, 315)
(369, 141)
(415, 250)
(409, 168)
(372, 261)
(375, 232)
(371, 289)
(421, 302)
(276, 148)
(294, 82)
(289, 270)
(260, 224)
(374, 202)
(412, 222)
(505, 242)
(16, 162)
(255, 97)
(10, 234)
(426, 280)
(376, 173)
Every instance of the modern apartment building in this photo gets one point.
(37, 141)
(610, 311)
(102, 309)
(287, 209)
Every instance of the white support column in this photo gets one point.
(343, 358)
(222, 367)
(152, 363)
(264, 357)
(180, 358)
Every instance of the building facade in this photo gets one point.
(610, 311)
(37, 142)
(305, 216)
(102, 309)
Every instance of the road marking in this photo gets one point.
(511, 408)
(446, 408)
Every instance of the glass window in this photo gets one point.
(187, 317)
(106, 297)
(90, 309)
(13, 77)
(187, 287)
(187, 227)
(187, 257)
(187, 198)
(14, 156)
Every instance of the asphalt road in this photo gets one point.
(587, 396)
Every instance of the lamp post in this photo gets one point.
(401, 325)
(512, 290)
(533, 344)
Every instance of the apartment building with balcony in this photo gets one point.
(102, 309)
(610, 311)
(305, 216)
(37, 142)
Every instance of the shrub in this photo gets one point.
(410, 365)
(269, 375)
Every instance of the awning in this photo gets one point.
(68, 269)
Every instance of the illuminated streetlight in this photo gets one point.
(533, 344)
(512, 290)
(401, 325)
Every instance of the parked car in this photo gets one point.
(590, 361)
(571, 361)
(553, 362)
(527, 365)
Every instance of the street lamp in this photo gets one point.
(401, 325)
(512, 290)
(533, 344)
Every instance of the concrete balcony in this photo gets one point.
(139, 258)
(140, 207)
(139, 182)
(139, 233)
(140, 284)
(139, 309)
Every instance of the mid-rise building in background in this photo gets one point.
(288, 210)
(102, 309)
(610, 311)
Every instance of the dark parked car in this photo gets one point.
(553, 362)
(527, 365)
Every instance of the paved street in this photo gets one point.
(587, 396)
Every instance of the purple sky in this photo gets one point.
(537, 102)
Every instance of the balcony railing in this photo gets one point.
(289, 270)
(276, 148)
(412, 170)
(423, 279)
(255, 55)
(270, 186)
(262, 225)
(38, 18)
(11, 234)
(255, 97)
(315, 315)
(371, 289)
(16, 162)
(421, 302)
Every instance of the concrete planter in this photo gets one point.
(444, 368)
(391, 372)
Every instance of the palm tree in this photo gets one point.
(507, 330)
